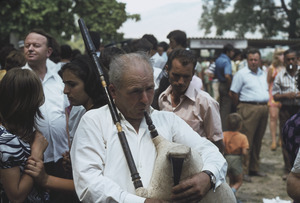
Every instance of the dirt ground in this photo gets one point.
(270, 187)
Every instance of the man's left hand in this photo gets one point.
(192, 189)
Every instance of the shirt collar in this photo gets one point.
(51, 68)
(259, 71)
(189, 93)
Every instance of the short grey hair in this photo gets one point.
(121, 63)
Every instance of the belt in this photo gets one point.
(254, 103)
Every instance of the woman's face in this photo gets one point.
(74, 89)
(280, 57)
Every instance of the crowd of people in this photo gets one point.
(58, 142)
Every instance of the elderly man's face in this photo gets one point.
(136, 92)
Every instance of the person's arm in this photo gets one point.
(212, 124)
(35, 168)
(276, 91)
(18, 186)
(289, 95)
(293, 186)
(228, 80)
(270, 78)
(220, 145)
(38, 145)
(245, 151)
(235, 98)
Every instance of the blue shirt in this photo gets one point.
(223, 67)
(251, 87)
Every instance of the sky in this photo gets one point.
(159, 17)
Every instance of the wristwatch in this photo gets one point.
(212, 178)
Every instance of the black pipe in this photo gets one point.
(136, 179)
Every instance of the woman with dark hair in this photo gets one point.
(21, 96)
(82, 83)
(84, 90)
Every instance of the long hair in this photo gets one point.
(276, 61)
(21, 96)
(84, 69)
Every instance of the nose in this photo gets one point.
(181, 81)
(30, 48)
(66, 90)
(144, 97)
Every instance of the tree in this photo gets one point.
(58, 17)
(267, 17)
(104, 16)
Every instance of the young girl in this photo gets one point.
(21, 95)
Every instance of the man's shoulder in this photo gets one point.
(99, 113)
(204, 96)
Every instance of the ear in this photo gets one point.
(167, 68)
(112, 90)
(49, 52)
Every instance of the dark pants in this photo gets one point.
(225, 104)
(285, 113)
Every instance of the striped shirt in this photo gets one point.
(285, 83)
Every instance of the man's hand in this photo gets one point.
(38, 145)
(67, 162)
(192, 189)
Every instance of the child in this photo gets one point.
(236, 150)
(21, 96)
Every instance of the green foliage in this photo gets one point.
(59, 17)
(249, 16)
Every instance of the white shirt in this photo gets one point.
(158, 61)
(100, 170)
(296, 167)
(53, 126)
(75, 115)
(156, 73)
